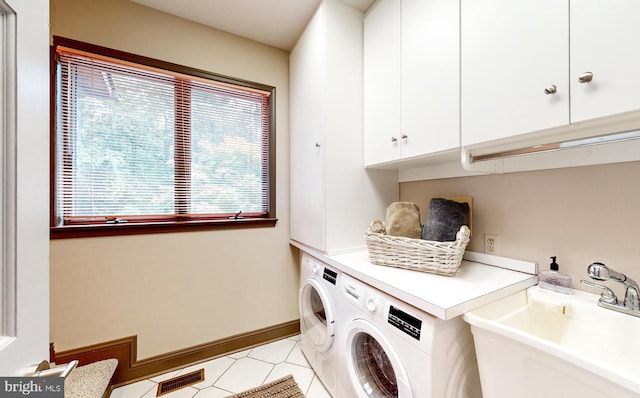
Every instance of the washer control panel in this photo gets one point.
(377, 305)
(330, 276)
(405, 322)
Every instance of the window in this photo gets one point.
(140, 144)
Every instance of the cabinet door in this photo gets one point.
(430, 76)
(605, 38)
(511, 51)
(382, 83)
(307, 78)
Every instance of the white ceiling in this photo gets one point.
(274, 22)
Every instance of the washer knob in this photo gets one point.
(371, 304)
(316, 268)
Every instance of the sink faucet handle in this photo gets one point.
(607, 295)
(632, 297)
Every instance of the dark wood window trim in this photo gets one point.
(87, 231)
(93, 230)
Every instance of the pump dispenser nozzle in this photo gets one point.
(554, 266)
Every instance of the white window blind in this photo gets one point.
(138, 144)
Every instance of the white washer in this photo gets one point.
(390, 349)
(318, 298)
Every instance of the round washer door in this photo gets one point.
(316, 315)
(374, 367)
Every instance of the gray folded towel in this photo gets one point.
(445, 219)
(403, 219)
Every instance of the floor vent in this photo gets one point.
(167, 386)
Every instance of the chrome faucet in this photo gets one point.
(608, 299)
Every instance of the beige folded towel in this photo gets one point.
(403, 219)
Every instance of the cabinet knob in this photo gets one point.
(552, 89)
(317, 145)
(404, 136)
(586, 77)
(394, 139)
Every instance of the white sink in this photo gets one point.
(538, 343)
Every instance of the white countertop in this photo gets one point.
(474, 285)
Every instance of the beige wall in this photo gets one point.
(180, 289)
(581, 215)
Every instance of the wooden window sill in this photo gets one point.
(94, 230)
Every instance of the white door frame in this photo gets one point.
(24, 206)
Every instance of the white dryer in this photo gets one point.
(389, 349)
(318, 298)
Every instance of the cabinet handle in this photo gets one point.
(586, 77)
(394, 139)
(552, 89)
(404, 136)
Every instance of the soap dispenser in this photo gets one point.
(554, 280)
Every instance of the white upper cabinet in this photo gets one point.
(411, 79)
(515, 66)
(430, 76)
(535, 71)
(382, 82)
(605, 38)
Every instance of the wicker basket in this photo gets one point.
(442, 258)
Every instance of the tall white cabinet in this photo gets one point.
(411, 79)
(333, 198)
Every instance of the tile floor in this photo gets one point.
(238, 372)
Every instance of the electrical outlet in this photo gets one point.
(491, 243)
